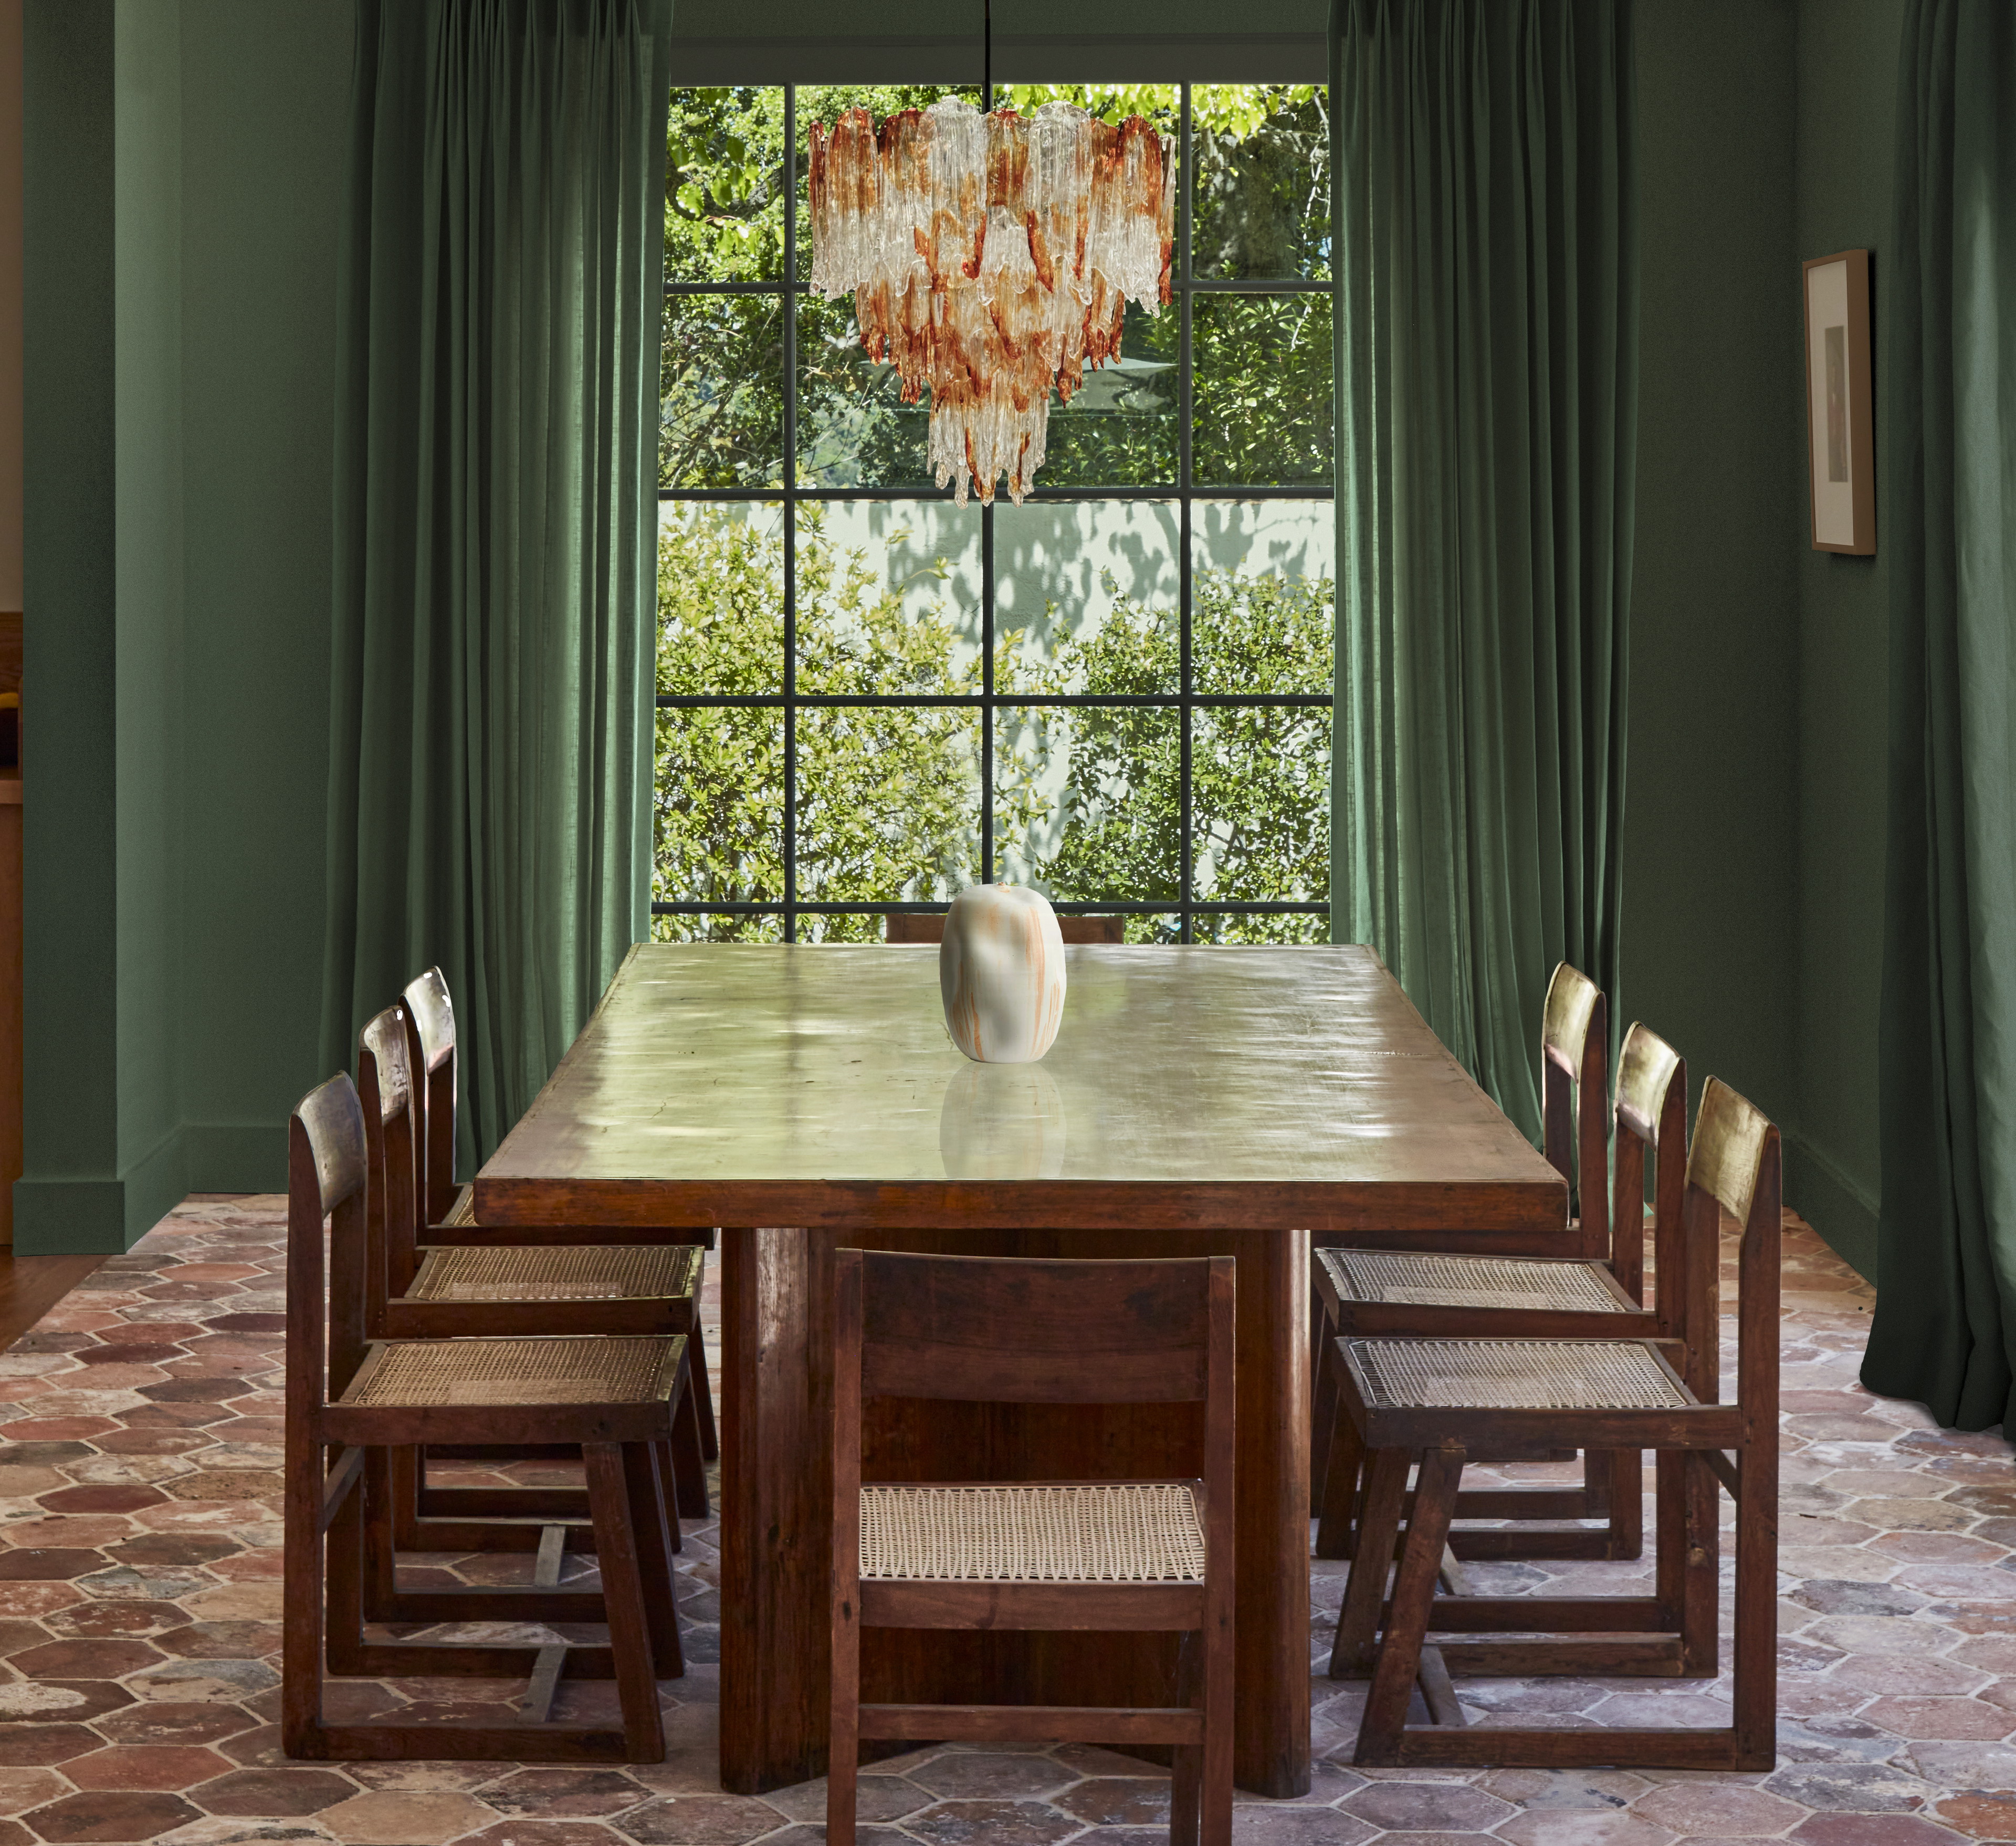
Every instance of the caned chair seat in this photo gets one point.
(1512, 1375)
(601, 1370)
(461, 1213)
(1419, 1279)
(1139, 1532)
(577, 1272)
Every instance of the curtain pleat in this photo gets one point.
(1944, 1326)
(501, 267)
(1487, 382)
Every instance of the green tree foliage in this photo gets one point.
(889, 796)
(1085, 801)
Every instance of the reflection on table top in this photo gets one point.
(770, 1085)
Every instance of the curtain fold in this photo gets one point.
(1944, 1326)
(495, 521)
(1486, 229)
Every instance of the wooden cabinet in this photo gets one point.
(10, 940)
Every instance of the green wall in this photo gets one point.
(266, 88)
(183, 165)
(1755, 817)
(1847, 122)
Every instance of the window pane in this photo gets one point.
(1263, 596)
(1085, 801)
(724, 194)
(1262, 390)
(1119, 429)
(1261, 206)
(888, 805)
(1292, 926)
(888, 598)
(720, 926)
(853, 428)
(721, 598)
(721, 407)
(719, 815)
(1086, 597)
(1260, 802)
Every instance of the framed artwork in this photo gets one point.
(1840, 430)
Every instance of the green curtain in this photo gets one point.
(1944, 1329)
(495, 520)
(1487, 383)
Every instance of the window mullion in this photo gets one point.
(790, 304)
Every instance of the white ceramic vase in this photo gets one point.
(1001, 972)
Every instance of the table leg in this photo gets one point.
(1271, 1637)
(776, 1512)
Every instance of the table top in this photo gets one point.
(729, 1084)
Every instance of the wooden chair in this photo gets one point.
(418, 1292)
(1438, 1401)
(350, 1399)
(920, 926)
(1380, 1292)
(450, 1209)
(1574, 1057)
(1041, 1555)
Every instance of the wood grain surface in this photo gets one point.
(1294, 1089)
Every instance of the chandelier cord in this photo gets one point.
(987, 54)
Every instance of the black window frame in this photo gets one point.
(792, 288)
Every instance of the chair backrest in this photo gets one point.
(385, 1091)
(327, 1188)
(914, 926)
(1031, 1330)
(431, 1050)
(1575, 1098)
(1736, 1167)
(1651, 1112)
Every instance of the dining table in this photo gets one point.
(1198, 1100)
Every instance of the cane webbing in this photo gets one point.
(1143, 1534)
(611, 1369)
(462, 1212)
(1427, 1281)
(583, 1273)
(1514, 1375)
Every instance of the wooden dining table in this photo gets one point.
(1197, 1101)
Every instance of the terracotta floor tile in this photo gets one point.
(1897, 1649)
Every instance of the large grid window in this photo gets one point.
(1118, 692)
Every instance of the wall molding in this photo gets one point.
(1843, 1210)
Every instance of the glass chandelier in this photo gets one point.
(991, 258)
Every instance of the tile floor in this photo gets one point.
(139, 1465)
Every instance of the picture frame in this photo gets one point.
(1840, 404)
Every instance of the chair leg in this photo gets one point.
(710, 1437)
(1323, 1409)
(301, 1597)
(1186, 1760)
(844, 1753)
(688, 1465)
(1357, 1621)
(1399, 1661)
(651, 1515)
(1699, 1563)
(1337, 1503)
(1626, 1492)
(1215, 1798)
(616, 1551)
(1756, 1690)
